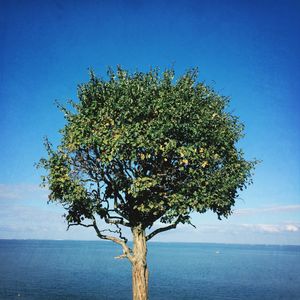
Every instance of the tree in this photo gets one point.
(140, 148)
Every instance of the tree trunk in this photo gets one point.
(139, 265)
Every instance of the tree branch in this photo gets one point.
(162, 229)
(80, 224)
(118, 221)
(126, 250)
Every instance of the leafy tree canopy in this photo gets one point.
(142, 147)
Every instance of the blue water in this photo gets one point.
(87, 270)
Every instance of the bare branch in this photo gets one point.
(126, 250)
(121, 256)
(118, 221)
(117, 231)
(80, 224)
(162, 229)
(120, 233)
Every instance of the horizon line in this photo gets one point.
(151, 242)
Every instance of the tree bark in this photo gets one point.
(139, 265)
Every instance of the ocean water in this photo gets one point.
(57, 270)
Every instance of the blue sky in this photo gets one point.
(248, 50)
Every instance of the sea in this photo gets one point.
(57, 270)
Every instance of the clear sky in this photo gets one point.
(248, 50)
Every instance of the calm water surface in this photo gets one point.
(76, 270)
